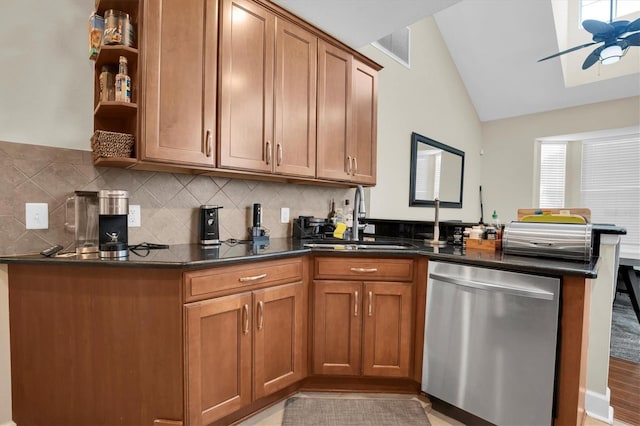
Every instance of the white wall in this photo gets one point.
(46, 89)
(508, 174)
(429, 99)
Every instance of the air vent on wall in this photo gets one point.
(397, 45)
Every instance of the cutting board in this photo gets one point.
(576, 215)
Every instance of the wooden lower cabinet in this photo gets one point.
(362, 328)
(224, 334)
(279, 337)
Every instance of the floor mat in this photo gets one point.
(301, 411)
(625, 330)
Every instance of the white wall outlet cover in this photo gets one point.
(284, 215)
(133, 219)
(37, 215)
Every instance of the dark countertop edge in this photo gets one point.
(524, 264)
(603, 228)
(497, 260)
(141, 263)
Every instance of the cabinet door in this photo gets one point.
(246, 97)
(334, 112)
(218, 351)
(337, 327)
(179, 71)
(295, 91)
(365, 123)
(387, 316)
(278, 338)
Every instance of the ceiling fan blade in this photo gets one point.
(597, 27)
(632, 40)
(620, 27)
(567, 51)
(634, 26)
(592, 58)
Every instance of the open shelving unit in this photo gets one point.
(113, 116)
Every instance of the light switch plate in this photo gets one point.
(134, 220)
(37, 215)
(284, 215)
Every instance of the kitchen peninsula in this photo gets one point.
(140, 341)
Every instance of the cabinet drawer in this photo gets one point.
(366, 269)
(203, 284)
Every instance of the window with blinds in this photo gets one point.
(610, 186)
(552, 174)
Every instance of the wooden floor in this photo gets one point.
(624, 383)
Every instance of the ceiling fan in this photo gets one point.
(616, 37)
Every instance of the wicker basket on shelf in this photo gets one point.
(112, 144)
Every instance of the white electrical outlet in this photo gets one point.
(284, 215)
(37, 215)
(134, 216)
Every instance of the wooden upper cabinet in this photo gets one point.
(347, 117)
(266, 62)
(365, 123)
(246, 86)
(179, 71)
(334, 111)
(295, 96)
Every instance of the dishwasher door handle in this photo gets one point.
(504, 288)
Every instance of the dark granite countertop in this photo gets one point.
(193, 256)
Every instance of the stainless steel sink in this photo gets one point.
(360, 245)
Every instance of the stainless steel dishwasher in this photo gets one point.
(490, 342)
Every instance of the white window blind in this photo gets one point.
(611, 186)
(552, 174)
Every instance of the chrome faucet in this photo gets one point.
(359, 211)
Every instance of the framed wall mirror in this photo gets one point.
(437, 171)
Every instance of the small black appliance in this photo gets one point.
(258, 235)
(209, 225)
(309, 227)
(113, 211)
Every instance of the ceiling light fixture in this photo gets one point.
(610, 54)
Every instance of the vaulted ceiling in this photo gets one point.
(495, 45)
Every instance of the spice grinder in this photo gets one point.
(112, 223)
(209, 225)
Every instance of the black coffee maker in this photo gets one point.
(113, 211)
(209, 231)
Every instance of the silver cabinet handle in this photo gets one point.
(260, 314)
(355, 306)
(252, 278)
(208, 142)
(364, 270)
(245, 313)
(355, 166)
(279, 157)
(370, 302)
(268, 152)
(348, 164)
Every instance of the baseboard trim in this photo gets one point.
(8, 423)
(597, 406)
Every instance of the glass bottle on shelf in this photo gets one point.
(123, 82)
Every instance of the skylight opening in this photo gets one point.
(607, 10)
